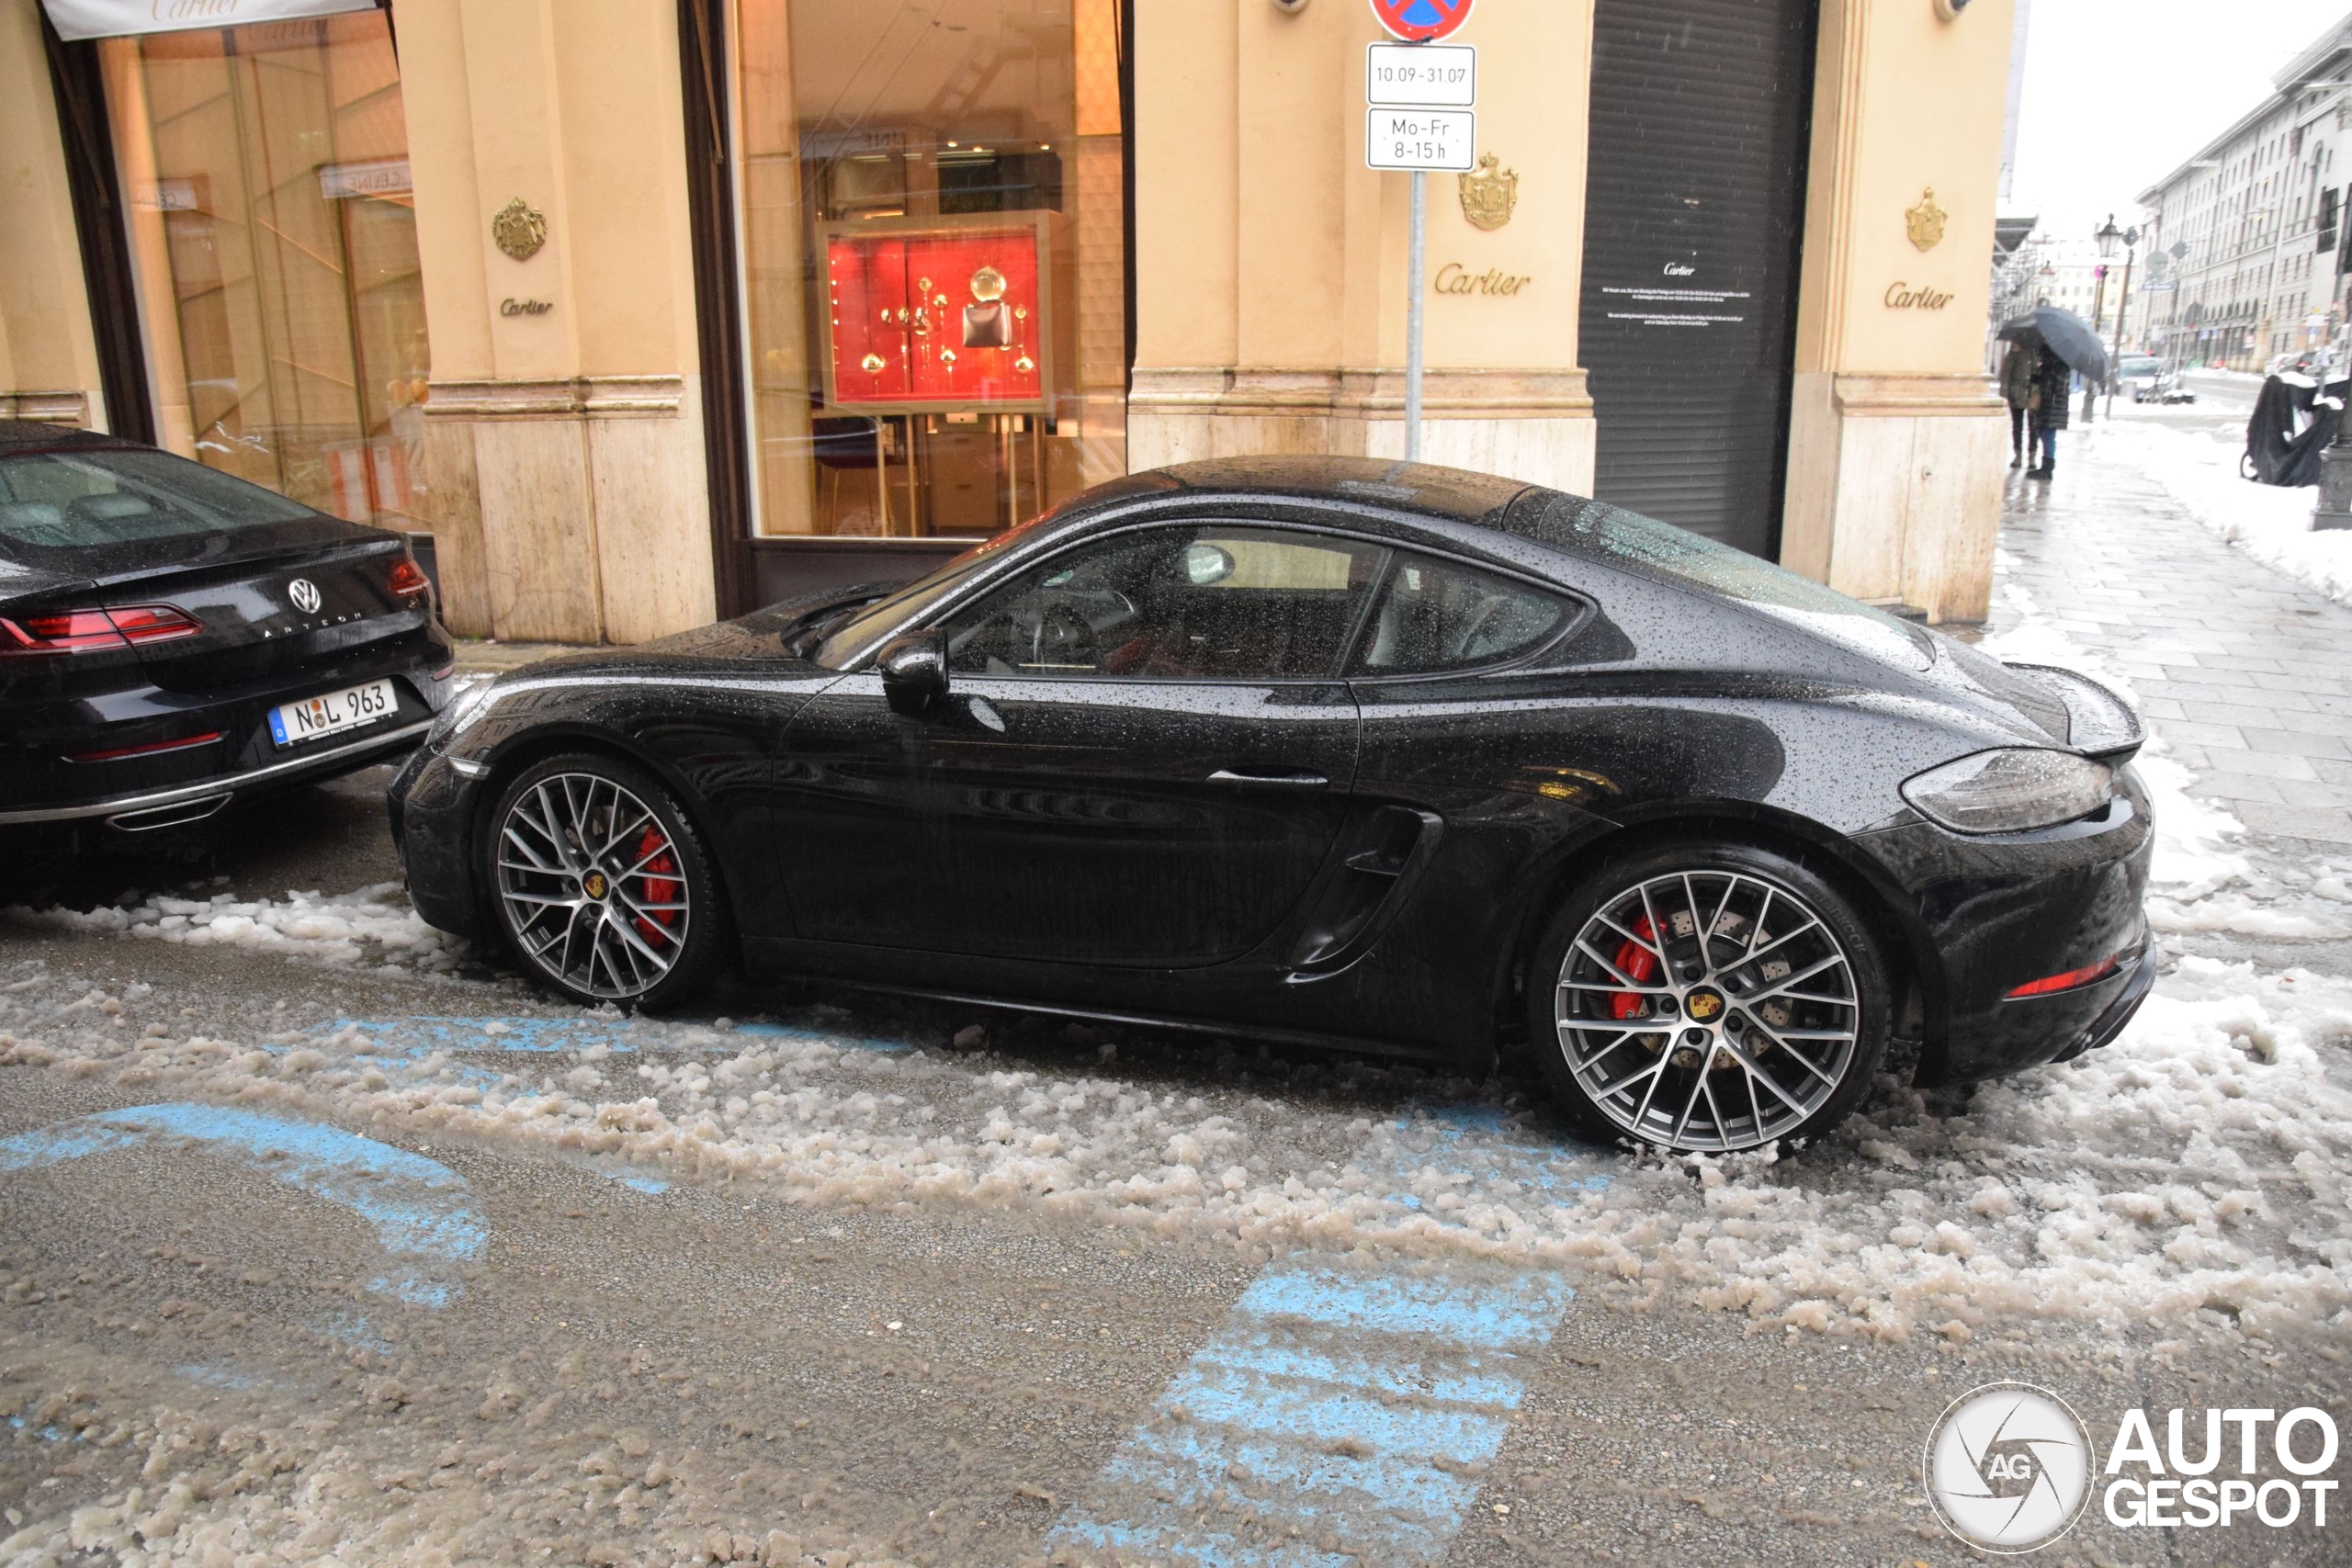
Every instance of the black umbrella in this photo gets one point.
(2066, 336)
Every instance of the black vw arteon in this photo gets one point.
(172, 638)
(1397, 756)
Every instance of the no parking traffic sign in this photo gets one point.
(1419, 21)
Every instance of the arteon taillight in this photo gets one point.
(407, 579)
(2050, 983)
(85, 631)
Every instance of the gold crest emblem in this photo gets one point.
(519, 230)
(1489, 196)
(1925, 221)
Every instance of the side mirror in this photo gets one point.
(914, 671)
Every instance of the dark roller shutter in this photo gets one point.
(1701, 111)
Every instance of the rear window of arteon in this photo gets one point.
(97, 497)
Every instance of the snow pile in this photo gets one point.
(2199, 1165)
(2194, 1171)
(2271, 524)
(371, 924)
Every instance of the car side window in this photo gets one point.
(1436, 616)
(1201, 601)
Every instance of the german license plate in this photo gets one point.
(291, 724)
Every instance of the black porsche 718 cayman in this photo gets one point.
(172, 638)
(1326, 750)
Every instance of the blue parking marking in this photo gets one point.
(1341, 1414)
(418, 1208)
(1402, 1304)
(355, 1331)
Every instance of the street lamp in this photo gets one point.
(2109, 239)
(2130, 238)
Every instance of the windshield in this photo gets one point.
(55, 505)
(855, 638)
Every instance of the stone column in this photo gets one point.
(49, 357)
(1897, 443)
(564, 437)
(1271, 263)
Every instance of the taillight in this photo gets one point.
(151, 749)
(2050, 983)
(407, 579)
(153, 623)
(83, 631)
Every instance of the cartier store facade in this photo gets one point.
(635, 312)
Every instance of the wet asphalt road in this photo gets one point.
(709, 1372)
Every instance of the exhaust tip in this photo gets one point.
(172, 816)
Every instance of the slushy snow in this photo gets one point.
(2270, 522)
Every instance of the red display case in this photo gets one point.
(942, 315)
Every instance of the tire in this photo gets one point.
(1791, 1017)
(639, 920)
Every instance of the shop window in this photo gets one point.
(264, 171)
(932, 229)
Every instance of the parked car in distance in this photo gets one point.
(2134, 372)
(2167, 387)
(1324, 750)
(172, 638)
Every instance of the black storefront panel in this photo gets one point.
(1700, 114)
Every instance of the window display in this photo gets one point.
(931, 211)
(265, 182)
(942, 319)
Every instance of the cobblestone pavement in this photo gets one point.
(2245, 672)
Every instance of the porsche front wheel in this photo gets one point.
(602, 886)
(1708, 998)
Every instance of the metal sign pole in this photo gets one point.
(1417, 259)
(1436, 87)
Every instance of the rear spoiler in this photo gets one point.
(2098, 723)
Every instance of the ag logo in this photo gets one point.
(304, 595)
(2009, 1467)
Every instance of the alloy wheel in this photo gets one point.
(1707, 1010)
(592, 888)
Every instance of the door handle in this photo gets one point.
(1275, 779)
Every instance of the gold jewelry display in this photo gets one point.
(988, 285)
(874, 364)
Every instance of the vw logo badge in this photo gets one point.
(304, 594)
(2009, 1467)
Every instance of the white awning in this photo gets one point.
(116, 18)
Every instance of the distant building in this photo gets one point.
(2244, 242)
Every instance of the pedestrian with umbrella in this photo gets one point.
(2017, 390)
(2067, 345)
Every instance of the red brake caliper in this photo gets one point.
(657, 878)
(1638, 962)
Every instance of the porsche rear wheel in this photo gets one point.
(1708, 998)
(602, 884)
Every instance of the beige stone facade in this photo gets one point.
(565, 449)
